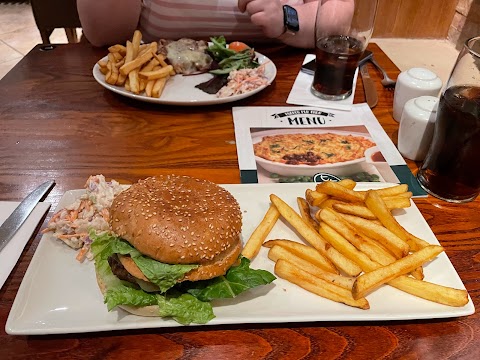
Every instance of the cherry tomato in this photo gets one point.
(238, 46)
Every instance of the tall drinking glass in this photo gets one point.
(342, 31)
(451, 169)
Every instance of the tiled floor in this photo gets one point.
(19, 34)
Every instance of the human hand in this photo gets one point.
(268, 14)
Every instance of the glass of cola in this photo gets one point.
(342, 32)
(451, 168)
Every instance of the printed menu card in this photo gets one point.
(311, 144)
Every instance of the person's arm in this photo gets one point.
(269, 15)
(305, 37)
(108, 22)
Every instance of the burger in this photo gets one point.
(174, 246)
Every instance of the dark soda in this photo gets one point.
(336, 61)
(451, 170)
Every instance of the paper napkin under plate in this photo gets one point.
(301, 94)
(12, 251)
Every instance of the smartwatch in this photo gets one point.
(290, 20)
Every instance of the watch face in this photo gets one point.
(290, 18)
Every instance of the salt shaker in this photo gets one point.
(416, 127)
(413, 83)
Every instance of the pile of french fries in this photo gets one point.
(355, 245)
(137, 67)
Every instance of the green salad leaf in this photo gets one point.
(237, 280)
(186, 302)
(184, 308)
(229, 60)
(165, 276)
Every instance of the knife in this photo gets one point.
(20, 214)
(369, 86)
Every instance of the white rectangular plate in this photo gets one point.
(60, 295)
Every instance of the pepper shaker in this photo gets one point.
(413, 83)
(416, 127)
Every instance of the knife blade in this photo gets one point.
(22, 211)
(369, 86)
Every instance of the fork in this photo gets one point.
(386, 81)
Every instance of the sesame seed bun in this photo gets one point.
(180, 220)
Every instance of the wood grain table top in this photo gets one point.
(57, 123)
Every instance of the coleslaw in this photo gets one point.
(90, 212)
(243, 80)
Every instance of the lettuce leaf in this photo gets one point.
(229, 60)
(184, 308)
(165, 276)
(237, 280)
(124, 295)
(186, 302)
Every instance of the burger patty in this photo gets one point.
(119, 270)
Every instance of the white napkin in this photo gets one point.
(12, 251)
(301, 94)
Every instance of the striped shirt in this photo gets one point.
(198, 19)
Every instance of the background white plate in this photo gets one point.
(60, 295)
(181, 90)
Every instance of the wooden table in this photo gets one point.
(57, 123)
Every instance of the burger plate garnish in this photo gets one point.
(175, 247)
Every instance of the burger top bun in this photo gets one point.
(180, 220)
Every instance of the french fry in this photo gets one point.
(279, 252)
(153, 46)
(103, 69)
(328, 204)
(120, 63)
(156, 74)
(149, 87)
(389, 240)
(343, 246)
(354, 209)
(334, 189)
(395, 190)
(137, 38)
(150, 66)
(129, 53)
(132, 58)
(305, 280)
(159, 86)
(429, 291)
(136, 63)
(305, 212)
(112, 74)
(134, 85)
(377, 206)
(406, 194)
(161, 60)
(345, 229)
(366, 245)
(369, 281)
(348, 183)
(122, 50)
(102, 63)
(117, 56)
(314, 238)
(397, 202)
(314, 198)
(254, 243)
(305, 252)
(426, 290)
